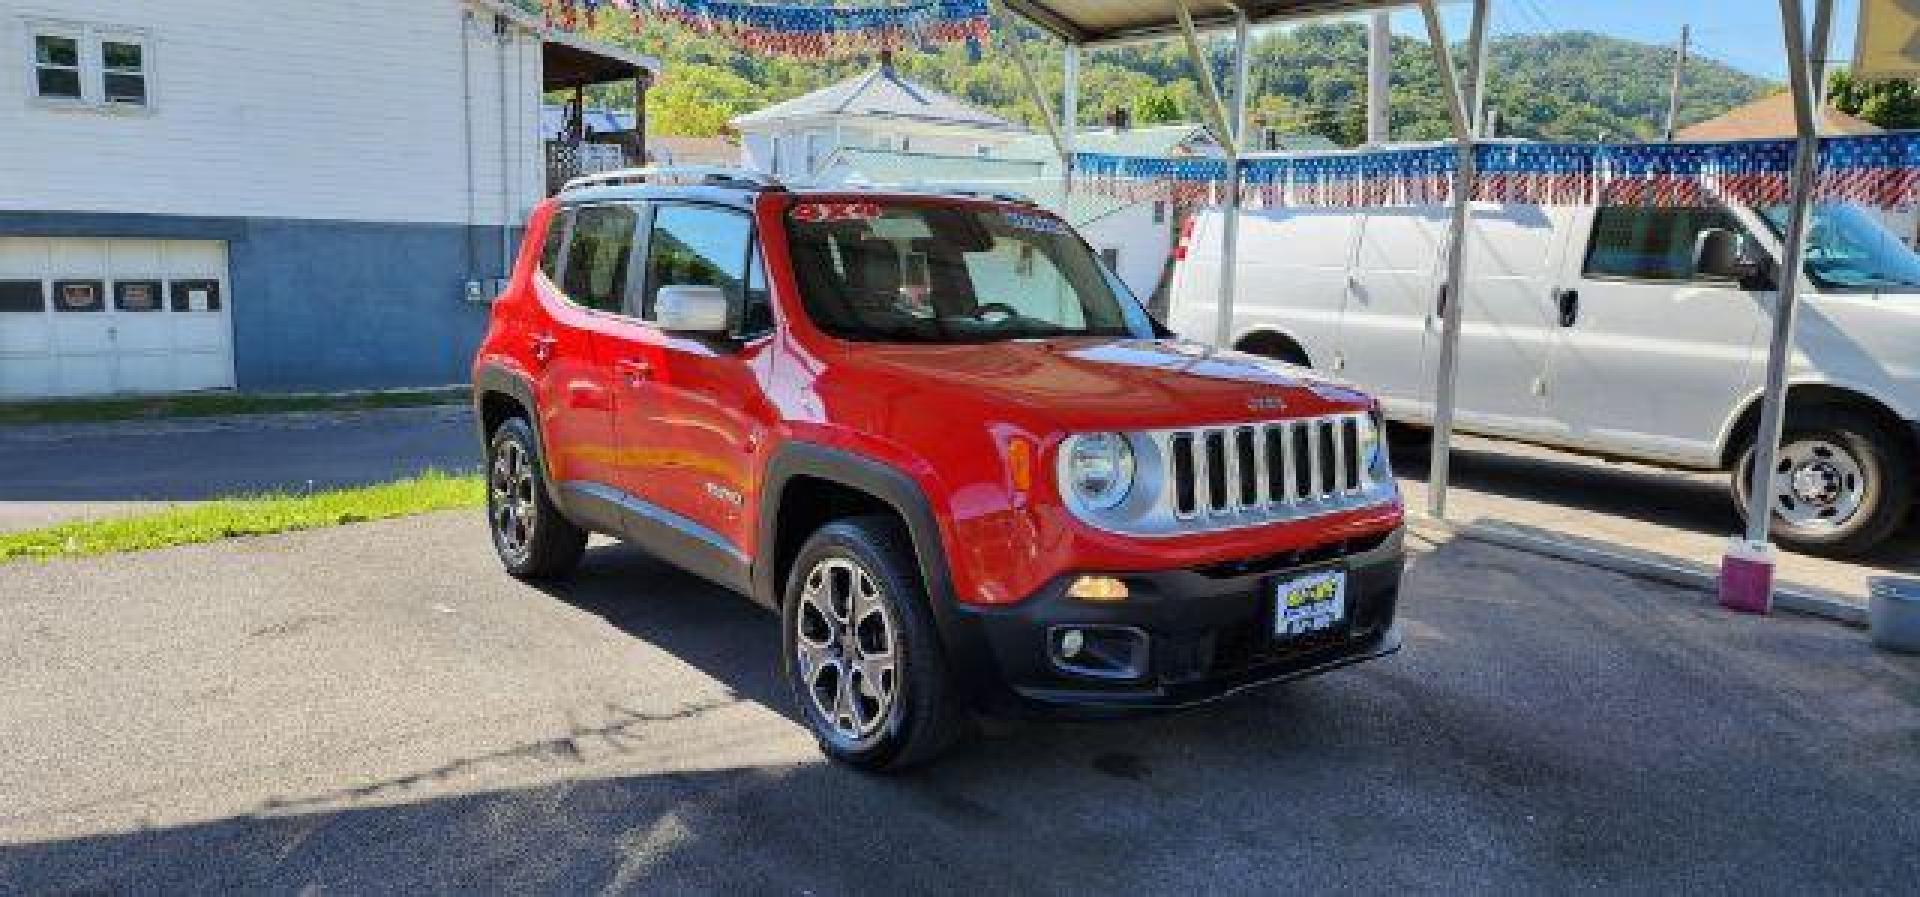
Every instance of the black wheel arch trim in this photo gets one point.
(498, 378)
(963, 649)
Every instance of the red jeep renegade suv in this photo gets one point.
(942, 440)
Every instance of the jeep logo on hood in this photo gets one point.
(1265, 403)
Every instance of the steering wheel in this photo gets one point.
(1004, 312)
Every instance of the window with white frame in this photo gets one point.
(56, 65)
(123, 71)
(90, 65)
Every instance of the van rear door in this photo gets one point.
(1387, 327)
(1292, 277)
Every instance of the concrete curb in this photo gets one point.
(1790, 597)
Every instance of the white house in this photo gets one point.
(1135, 239)
(216, 193)
(877, 110)
(881, 129)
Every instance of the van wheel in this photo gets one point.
(532, 538)
(860, 651)
(1841, 485)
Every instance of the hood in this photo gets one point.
(1083, 384)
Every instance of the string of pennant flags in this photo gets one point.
(1881, 170)
(795, 30)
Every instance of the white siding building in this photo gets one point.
(877, 110)
(216, 193)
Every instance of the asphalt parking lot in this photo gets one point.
(376, 708)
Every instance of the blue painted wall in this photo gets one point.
(320, 305)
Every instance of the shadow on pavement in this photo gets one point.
(1548, 727)
(1687, 501)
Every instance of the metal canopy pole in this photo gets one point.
(1216, 111)
(1793, 258)
(1453, 298)
(1017, 49)
(1817, 63)
(1069, 116)
(1379, 77)
(1230, 210)
(1477, 45)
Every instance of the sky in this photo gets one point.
(1742, 33)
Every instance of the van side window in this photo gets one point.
(597, 256)
(1651, 244)
(696, 246)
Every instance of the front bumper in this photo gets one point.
(1207, 630)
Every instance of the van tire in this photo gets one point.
(1830, 445)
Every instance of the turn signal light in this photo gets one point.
(1020, 463)
(1097, 588)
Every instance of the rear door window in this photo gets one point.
(599, 252)
(553, 249)
(1651, 244)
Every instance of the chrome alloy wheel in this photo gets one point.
(846, 648)
(510, 498)
(1817, 485)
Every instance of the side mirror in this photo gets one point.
(1719, 252)
(691, 309)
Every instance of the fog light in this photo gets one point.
(1097, 588)
(1099, 650)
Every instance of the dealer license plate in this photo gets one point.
(1310, 603)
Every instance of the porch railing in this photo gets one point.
(567, 160)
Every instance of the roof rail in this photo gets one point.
(677, 175)
(1013, 197)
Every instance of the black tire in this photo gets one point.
(922, 718)
(538, 542)
(1884, 487)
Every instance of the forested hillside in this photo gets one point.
(1570, 86)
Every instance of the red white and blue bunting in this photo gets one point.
(789, 29)
(1880, 170)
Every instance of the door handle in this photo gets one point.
(543, 346)
(1569, 301)
(635, 371)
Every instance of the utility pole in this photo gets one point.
(1673, 93)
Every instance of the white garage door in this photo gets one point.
(85, 316)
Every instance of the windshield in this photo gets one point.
(929, 273)
(1847, 248)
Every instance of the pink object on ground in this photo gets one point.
(1746, 577)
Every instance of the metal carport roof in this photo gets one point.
(1094, 22)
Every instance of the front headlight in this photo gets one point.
(1097, 468)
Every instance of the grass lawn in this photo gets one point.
(217, 403)
(246, 516)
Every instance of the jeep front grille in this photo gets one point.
(1225, 477)
(1259, 467)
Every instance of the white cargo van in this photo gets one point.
(1630, 332)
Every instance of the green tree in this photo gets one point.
(696, 100)
(1894, 105)
(1155, 105)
